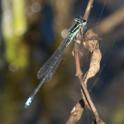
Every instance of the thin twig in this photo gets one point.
(90, 73)
(78, 69)
(93, 47)
(88, 10)
(84, 87)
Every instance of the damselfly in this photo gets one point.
(46, 72)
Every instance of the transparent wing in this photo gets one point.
(54, 60)
(51, 65)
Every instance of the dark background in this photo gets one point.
(45, 22)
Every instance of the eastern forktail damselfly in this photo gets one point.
(48, 69)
